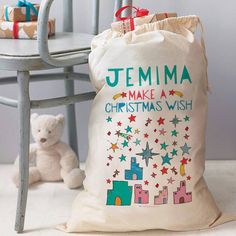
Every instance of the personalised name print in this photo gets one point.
(148, 97)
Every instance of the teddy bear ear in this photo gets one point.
(34, 116)
(60, 118)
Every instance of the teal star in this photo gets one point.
(122, 158)
(137, 142)
(109, 119)
(166, 159)
(175, 121)
(147, 154)
(174, 133)
(128, 129)
(185, 149)
(164, 146)
(186, 118)
(174, 152)
(125, 144)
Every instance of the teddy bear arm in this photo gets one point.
(69, 159)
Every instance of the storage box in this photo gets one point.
(19, 14)
(23, 30)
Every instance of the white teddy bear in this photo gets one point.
(54, 160)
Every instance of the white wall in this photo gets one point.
(219, 19)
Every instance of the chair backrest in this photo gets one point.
(68, 13)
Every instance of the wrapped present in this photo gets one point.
(125, 25)
(23, 30)
(23, 11)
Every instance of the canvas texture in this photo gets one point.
(147, 132)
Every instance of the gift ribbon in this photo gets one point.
(15, 30)
(138, 13)
(29, 7)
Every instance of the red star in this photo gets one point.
(184, 161)
(123, 95)
(132, 118)
(119, 123)
(109, 133)
(173, 169)
(164, 170)
(117, 133)
(155, 130)
(108, 181)
(146, 182)
(130, 149)
(157, 185)
(187, 128)
(186, 136)
(154, 166)
(172, 92)
(189, 178)
(153, 175)
(146, 135)
(110, 157)
(162, 132)
(156, 140)
(161, 121)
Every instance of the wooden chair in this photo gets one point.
(65, 50)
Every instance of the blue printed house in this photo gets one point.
(136, 172)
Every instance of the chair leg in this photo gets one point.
(24, 125)
(71, 114)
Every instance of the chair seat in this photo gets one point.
(60, 43)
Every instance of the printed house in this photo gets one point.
(181, 196)
(120, 195)
(136, 172)
(140, 196)
(162, 198)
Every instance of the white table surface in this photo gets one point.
(49, 204)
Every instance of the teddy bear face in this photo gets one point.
(47, 129)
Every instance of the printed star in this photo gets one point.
(162, 132)
(161, 121)
(148, 121)
(175, 121)
(116, 172)
(137, 131)
(172, 92)
(170, 180)
(108, 181)
(119, 123)
(184, 161)
(114, 147)
(154, 166)
(186, 128)
(157, 185)
(137, 142)
(164, 170)
(122, 158)
(109, 119)
(109, 133)
(174, 152)
(189, 177)
(156, 140)
(186, 118)
(125, 144)
(110, 157)
(174, 143)
(128, 129)
(146, 135)
(164, 146)
(132, 118)
(108, 164)
(185, 149)
(174, 170)
(117, 133)
(147, 154)
(166, 159)
(130, 149)
(123, 95)
(174, 133)
(146, 182)
(186, 136)
(153, 175)
(155, 130)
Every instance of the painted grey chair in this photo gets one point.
(65, 50)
